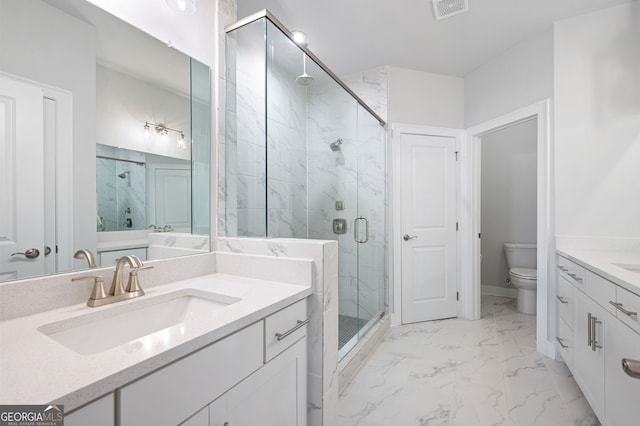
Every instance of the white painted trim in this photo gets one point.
(494, 290)
(396, 231)
(470, 291)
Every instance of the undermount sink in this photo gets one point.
(149, 323)
(629, 267)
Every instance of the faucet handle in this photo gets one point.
(133, 286)
(98, 288)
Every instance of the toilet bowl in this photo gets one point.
(525, 280)
(521, 261)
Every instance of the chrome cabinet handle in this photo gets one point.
(562, 268)
(594, 341)
(408, 237)
(298, 326)
(562, 300)
(589, 331)
(561, 344)
(31, 253)
(631, 367)
(574, 276)
(619, 307)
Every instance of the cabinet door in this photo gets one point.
(588, 364)
(275, 395)
(622, 391)
(100, 412)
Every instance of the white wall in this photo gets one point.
(68, 64)
(423, 98)
(508, 195)
(125, 103)
(597, 123)
(521, 76)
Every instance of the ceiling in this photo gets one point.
(355, 35)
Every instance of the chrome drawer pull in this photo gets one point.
(594, 341)
(561, 344)
(574, 276)
(562, 268)
(562, 300)
(589, 331)
(631, 367)
(619, 307)
(300, 324)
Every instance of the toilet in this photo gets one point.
(522, 263)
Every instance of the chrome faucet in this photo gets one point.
(117, 286)
(86, 254)
(117, 292)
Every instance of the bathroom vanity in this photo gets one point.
(209, 350)
(598, 303)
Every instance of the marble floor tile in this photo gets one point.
(468, 373)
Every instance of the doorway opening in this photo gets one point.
(471, 214)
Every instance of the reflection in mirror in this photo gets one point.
(79, 89)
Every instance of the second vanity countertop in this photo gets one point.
(606, 263)
(35, 369)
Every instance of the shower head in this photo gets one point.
(335, 146)
(123, 174)
(304, 79)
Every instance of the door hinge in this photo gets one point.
(479, 235)
(457, 226)
(457, 295)
(56, 249)
(457, 152)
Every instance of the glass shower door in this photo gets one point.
(370, 232)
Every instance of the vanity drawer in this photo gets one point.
(630, 302)
(602, 291)
(572, 272)
(566, 300)
(565, 343)
(170, 395)
(284, 328)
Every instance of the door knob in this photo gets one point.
(31, 253)
(407, 237)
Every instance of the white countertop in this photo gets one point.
(35, 369)
(603, 262)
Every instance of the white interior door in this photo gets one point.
(172, 193)
(21, 180)
(428, 205)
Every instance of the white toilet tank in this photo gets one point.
(521, 255)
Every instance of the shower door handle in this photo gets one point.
(356, 230)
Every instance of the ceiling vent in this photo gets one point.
(447, 8)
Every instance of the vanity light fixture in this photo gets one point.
(163, 131)
(184, 7)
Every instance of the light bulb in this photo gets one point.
(164, 135)
(147, 134)
(185, 7)
(181, 142)
(299, 37)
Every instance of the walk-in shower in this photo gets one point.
(305, 161)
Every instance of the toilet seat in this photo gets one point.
(524, 273)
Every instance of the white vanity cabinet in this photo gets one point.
(100, 412)
(601, 336)
(230, 382)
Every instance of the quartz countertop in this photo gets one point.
(35, 369)
(604, 262)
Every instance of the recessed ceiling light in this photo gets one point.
(299, 37)
(185, 7)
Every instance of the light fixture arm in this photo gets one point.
(161, 129)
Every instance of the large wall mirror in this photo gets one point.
(104, 141)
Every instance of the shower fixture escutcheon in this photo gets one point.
(335, 146)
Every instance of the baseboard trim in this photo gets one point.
(492, 290)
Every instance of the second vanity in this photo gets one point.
(599, 326)
(214, 349)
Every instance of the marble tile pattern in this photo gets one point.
(458, 372)
(322, 337)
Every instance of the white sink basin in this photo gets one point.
(629, 267)
(153, 322)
